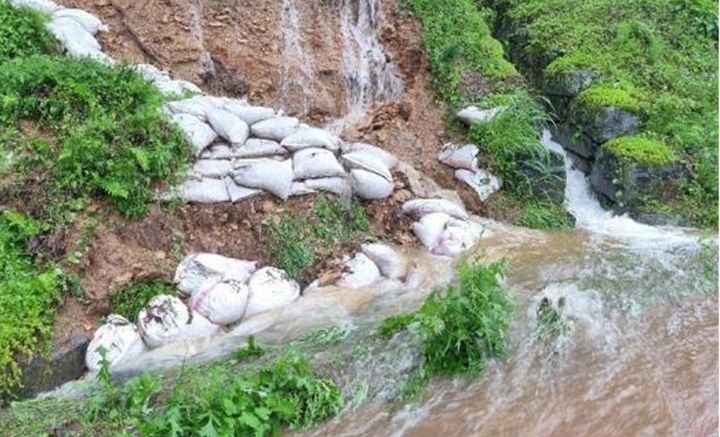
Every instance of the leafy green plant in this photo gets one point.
(23, 33)
(252, 350)
(129, 301)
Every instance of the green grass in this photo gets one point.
(642, 150)
(544, 215)
(28, 295)
(463, 325)
(23, 33)
(297, 241)
(657, 58)
(129, 301)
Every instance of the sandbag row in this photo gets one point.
(443, 227)
(463, 158)
(220, 291)
(244, 150)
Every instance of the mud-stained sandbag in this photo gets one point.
(456, 238)
(77, 41)
(365, 160)
(120, 339)
(250, 114)
(194, 270)
(473, 114)
(238, 192)
(311, 137)
(273, 176)
(88, 21)
(258, 148)
(218, 151)
(316, 163)
(270, 288)
(484, 183)
(369, 185)
(212, 168)
(228, 126)
(205, 190)
(429, 229)
(420, 207)
(391, 263)
(223, 302)
(360, 271)
(199, 134)
(45, 6)
(277, 128)
(459, 156)
(339, 186)
(384, 156)
(166, 320)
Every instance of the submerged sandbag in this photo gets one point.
(365, 160)
(311, 137)
(359, 272)
(199, 134)
(384, 156)
(273, 176)
(249, 114)
(88, 21)
(258, 148)
(369, 185)
(205, 190)
(316, 163)
(166, 320)
(457, 237)
(270, 288)
(228, 126)
(389, 261)
(277, 128)
(194, 270)
(118, 337)
(421, 207)
(429, 229)
(221, 301)
(459, 156)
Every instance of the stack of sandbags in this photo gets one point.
(463, 158)
(443, 227)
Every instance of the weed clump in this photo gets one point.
(23, 33)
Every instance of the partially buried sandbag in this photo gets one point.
(316, 163)
(369, 185)
(77, 41)
(459, 156)
(311, 137)
(429, 228)
(194, 270)
(273, 176)
(221, 301)
(88, 21)
(120, 340)
(166, 320)
(391, 263)
(228, 126)
(420, 207)
(360, 271)
(270, 288)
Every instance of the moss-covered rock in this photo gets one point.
(637, 149)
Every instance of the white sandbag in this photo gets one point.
(249, 114)
(300, 188)
(177, 87)
(77, 41)
(459, 156)
(88, 21)
(429, 229)
(166, 319)
(484, 183)
(277, 128)
(420, 207)
(151, 73)
(197, 106)
(212, 168)
(384, 156)
(45, 6)
(473, 114)
(369, 185)
(365, 160)
(270, 288)
(273, 176)
(120, 339)
(358, 272)
(339, 186)
(311, 137)
(389, 261)
(228, 126)
(195, 269)
(199, 134)
(455, 239)
(316, 163)
(218, 151)
(238, 192)
(221, 301)
(257, 148)
(206, 190)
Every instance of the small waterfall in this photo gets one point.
(369, 76)
(298, 70)
(590, 215)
